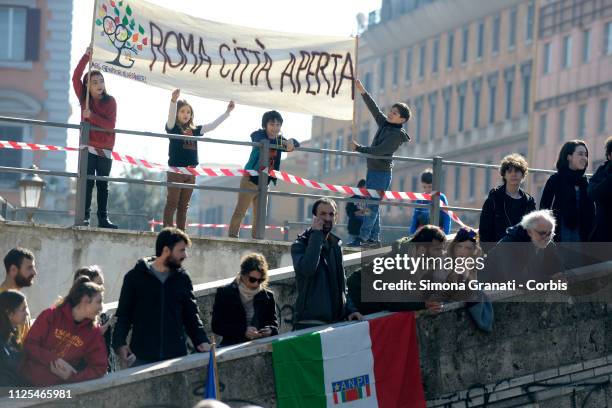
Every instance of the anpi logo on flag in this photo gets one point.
(351, 389)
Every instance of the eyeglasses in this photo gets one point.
(543, 234)
(255, 280)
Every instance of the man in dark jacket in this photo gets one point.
(600, 191)
(271, 123)
(527, 251)
(388, 138)
(319, 272)
(157, 303)
(507, 204)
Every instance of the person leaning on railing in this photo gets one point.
(389, 136)
(184, 153)
(271, 123)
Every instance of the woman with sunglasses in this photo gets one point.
(245, 309)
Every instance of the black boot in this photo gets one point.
(104, 222)
(86, 219)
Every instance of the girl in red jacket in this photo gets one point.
(65, 344)
(101, 113)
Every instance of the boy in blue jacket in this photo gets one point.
(271, 123)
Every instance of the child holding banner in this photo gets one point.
(100, 111)
(183, 153)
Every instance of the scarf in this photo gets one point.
(246, 297)
(569, 180)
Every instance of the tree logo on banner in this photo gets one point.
(122, 31)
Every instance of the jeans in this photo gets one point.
(381, 181)
(97, 166)
(178, 200)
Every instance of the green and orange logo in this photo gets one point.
(119, 26)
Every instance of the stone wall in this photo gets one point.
(549, 353)
(60, 251)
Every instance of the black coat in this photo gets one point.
(158, 314)
(229, 316)
(495, 219)
(559, 196)
(320, 278)
(515, 257)
(10, 359)
(600, 191)
(354, 221)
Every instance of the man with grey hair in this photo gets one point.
(527, 251)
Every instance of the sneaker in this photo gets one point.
(373, 244)
(356, 243)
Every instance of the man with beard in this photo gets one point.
(319, 272)
(157, 303)
(20, 266)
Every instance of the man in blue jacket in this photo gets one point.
(271, 123)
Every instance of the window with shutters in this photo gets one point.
(19, 34)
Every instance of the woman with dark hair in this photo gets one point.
(566, 194)
(13, 312)
(65, 345)
(245, 309)
(100, 110)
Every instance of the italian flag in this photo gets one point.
(367, 364)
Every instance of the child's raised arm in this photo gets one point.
(77, 84)
(209, 127)
(172, 110)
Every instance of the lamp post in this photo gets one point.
(30, 192)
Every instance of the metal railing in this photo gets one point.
(81, 175)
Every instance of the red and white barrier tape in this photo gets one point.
(153, 223)
(221, 172)
(9, 144)
(366, 193)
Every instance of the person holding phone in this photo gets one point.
(245, 309)
(319, 272)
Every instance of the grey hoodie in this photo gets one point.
(387, 140)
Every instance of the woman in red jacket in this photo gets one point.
(65, 344)
(101, 113)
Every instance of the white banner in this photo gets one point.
(167, 49)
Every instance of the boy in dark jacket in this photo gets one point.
(271, 124)
(157, 303)
(319, 272)
(388, 138)
(507, 204)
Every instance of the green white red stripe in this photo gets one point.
(367, 364)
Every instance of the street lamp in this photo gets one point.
(30, 192)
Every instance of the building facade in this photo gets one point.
(472, 71)
(574, 80)
(34, 84)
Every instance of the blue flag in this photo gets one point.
(210, 392)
